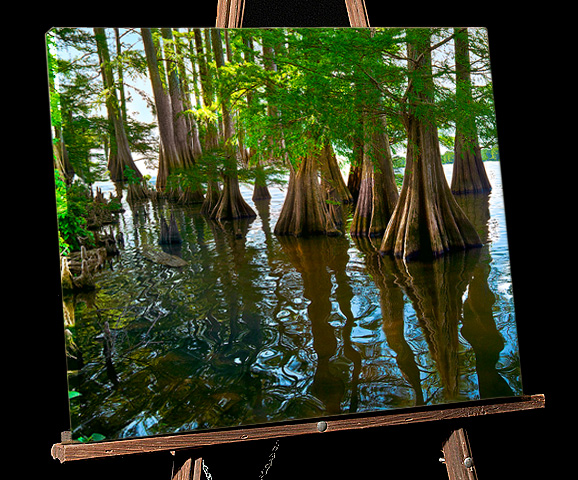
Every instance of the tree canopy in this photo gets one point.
(251, 105)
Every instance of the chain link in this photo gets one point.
(263, 472)
(206, 470)
(270, 462)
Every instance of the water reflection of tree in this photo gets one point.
(239, 276)
(479, 325)
(316, 258)
(435, 289)
(392, 312)
(212, 327)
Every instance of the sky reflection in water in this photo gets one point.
(264, 328)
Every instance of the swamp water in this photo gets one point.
(258, 328)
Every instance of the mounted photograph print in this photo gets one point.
(277, 224)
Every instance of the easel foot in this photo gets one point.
(458, 457)
(190, 471)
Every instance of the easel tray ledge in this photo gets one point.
(69, 451)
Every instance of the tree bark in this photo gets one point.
(361, 222)
(211, 139)
(427, 221)
(120, 156)
(61, 159)
(191, 122)
(190, 193)
(181, 130)
(207, 93)
(260, 189)
(169, 158)
(469, 174)
(211, 197)
(332, 177)
(120, 76)
(378, 193)
(304, 210)
(231, 203)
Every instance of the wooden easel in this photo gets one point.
(230, 13)
(457, 455)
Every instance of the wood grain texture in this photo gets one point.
(230, 13)
(66, 452)
(185, 472)
(198, 469)
(357, 13)
(458, 457)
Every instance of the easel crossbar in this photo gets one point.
(79, 451)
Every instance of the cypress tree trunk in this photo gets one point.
(231, 203)
(181, 127)
(427, 221)
(183, 145)
(120, 156)
(211, 139)
(304, 210)
(61, 160)
(378, 193)
(354, 180)
(120, 76)
(192, 127)
(207, 91)
(358, 146)
(260, 190)
(335, 192)
(361, 223)
(211, 197)
(169, 158)
(331, 175)
(469, 174)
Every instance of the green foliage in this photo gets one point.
(76, 101)
(317, 86)
(131, 176)
(491, 154)
(55, 117)
(448, 157)
(488, 155)
(95, 437)
(185, 179)
(71, 204)
(323, 82)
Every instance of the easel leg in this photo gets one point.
(190, 472)
(198, 469)
(458, 457)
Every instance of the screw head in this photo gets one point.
(468, 462)
(321, 426)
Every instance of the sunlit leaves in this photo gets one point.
(72, 394)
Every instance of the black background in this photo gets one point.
(515, 445)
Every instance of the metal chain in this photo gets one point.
(270, 462)
(263, 472)
(206, 470)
